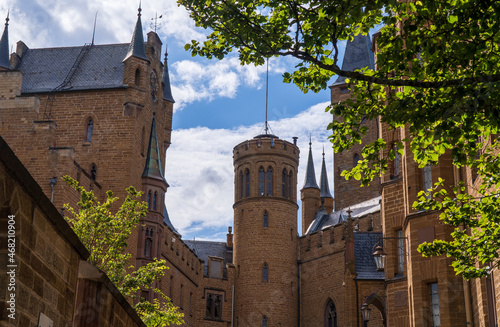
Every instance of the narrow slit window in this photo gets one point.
(89, 130)
(269, 181)
(266, 219)
(265, 273)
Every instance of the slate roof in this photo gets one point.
(167, 92)
(166, 221)
(45, 69)
(324, 219)
(358, 54)
(204, 249)
(153, 167)
(324, 188)
(4, 46)
(310, 179)
(364, 263)
(136, 46)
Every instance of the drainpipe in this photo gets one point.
(298, 292)
(53, 181)
(232, 306)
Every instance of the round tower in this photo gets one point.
(265, 232)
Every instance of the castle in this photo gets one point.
(95, 110)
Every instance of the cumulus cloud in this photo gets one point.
(201, 175)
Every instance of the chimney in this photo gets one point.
(229, 242)
(295, 140)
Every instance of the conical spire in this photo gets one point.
(136, 47)
(310, 180)
(357, 55)
(324, 188)
(167, 92)
(153, 167)
(4, 46)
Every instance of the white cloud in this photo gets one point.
(200, 169)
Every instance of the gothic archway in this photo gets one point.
(330, 318)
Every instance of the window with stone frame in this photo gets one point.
(427, 179)
(154, 200)
(330, 317)
(265, 222)
(149, 200)
(264, 321)
(89, 130)
(148, 242)
(435, 312)
(401, 251)
(213, 306)
(247, 183)
(284, 183)
(265, 273)
(269, 181)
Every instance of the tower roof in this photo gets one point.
(357, 55)
(167, 92)
(136, 48)
(4, 46)
(153, 160)
(310, 179)
(324, 188)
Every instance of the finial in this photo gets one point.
(310, 141)
(323, 152)
(349, 211)
(7, 19)
(139, 10)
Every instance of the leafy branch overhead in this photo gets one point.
(105, 235)
(437, 76)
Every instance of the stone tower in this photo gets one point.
(265, 229)
(357, 55)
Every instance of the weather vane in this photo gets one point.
(155, 23)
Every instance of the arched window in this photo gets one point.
(242, 186)
(264, 321)
(427, 179)
(262, 181)
(137, 80)
(89, 130)
(269, 181)
(355, 160)
(284, 184)
(290, 184)
(93, 172)
(149, 200)
(330, 319)
(396, 162)
(265, 222)
(154, 200)
(265, 273)
(247, 182)
(148, 242)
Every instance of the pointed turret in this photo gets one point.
(167, 92)
(153, 168)
(309, 194)
(357, 55)
(136, 48)
(310, 180)
(324, 188)
(4, 46)
(326, 196)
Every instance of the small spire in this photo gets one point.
(4, 45)
(310, 180)
(324, 188)
(153, 167)
(136, 47)
(167, 92)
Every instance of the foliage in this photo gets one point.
(105, 235)
(438, 76)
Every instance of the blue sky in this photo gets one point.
(218, 103)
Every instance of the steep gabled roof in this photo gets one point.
(45, 69)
